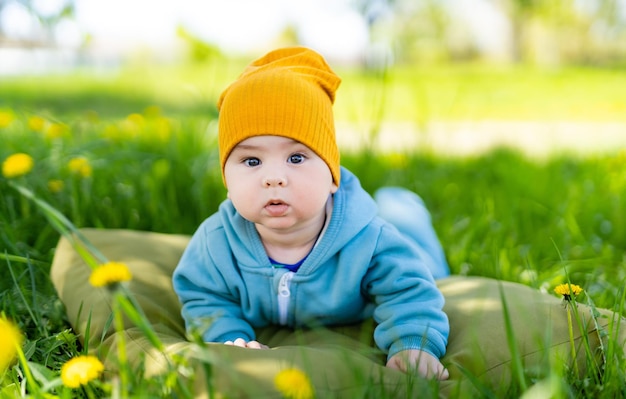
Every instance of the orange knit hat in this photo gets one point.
(288, 92)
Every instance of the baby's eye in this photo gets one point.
(296, 158)
(252, 162)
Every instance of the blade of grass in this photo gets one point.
(482, 389)
(107, 326)
(138, 318)
(22, 259)
(40, 328)
(516, 358)
(65, 227)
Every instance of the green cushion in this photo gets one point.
(477, 345)
(478, 339)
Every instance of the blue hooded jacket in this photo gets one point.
(361, 267)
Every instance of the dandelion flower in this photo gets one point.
(36, 123)
(132, 125)
(80, 370)
(136, 119)
(293, 384)
(56, 130)
(109, 274)
(568, 290)
(80, 166)
(55, 185)
(10, 341)
(162, 129)
(17, 165)
(6, 118)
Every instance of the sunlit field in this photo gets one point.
(136, 149)
(448, 93)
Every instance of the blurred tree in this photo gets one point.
(558, 31)
(423, 32)
(414, 31)
(372, 11)
(609, 30)
(46, 16)
(542, 31)
(535, 25)
(519, 13)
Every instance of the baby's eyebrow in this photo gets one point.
(252, 147)
(247, 147)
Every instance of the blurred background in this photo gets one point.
(47, 35)
(459, 75)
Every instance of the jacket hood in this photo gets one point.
(353, 203)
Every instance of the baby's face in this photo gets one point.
(278, 182)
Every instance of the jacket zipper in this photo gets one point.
(283, 297)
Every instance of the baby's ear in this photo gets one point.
(334, 188)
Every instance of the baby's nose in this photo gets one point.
(274, 181)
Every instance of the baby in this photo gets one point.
(298, 243)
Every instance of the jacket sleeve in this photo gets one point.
(210, 300)
(409, 306)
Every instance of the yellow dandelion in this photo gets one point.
(128, 129)
(10, 341)
(110, 273)
(80, 370)
(568, 290)
(36, 123)
(293, 384)
(6, 118)
(80, 166)
(55, 186)
(162, 129)
(56, 130)
(136, 119)
(17, 165)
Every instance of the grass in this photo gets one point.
(420, 94)
(489, 93)
(149, 141)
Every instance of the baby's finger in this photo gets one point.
(437, 372)
(443, 375)
(256, 345)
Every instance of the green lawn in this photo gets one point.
(475, 93)
(148, 137)
(447, 93)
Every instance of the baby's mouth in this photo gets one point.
(276, 208)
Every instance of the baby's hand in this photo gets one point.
(244, 344)
(424, 363)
